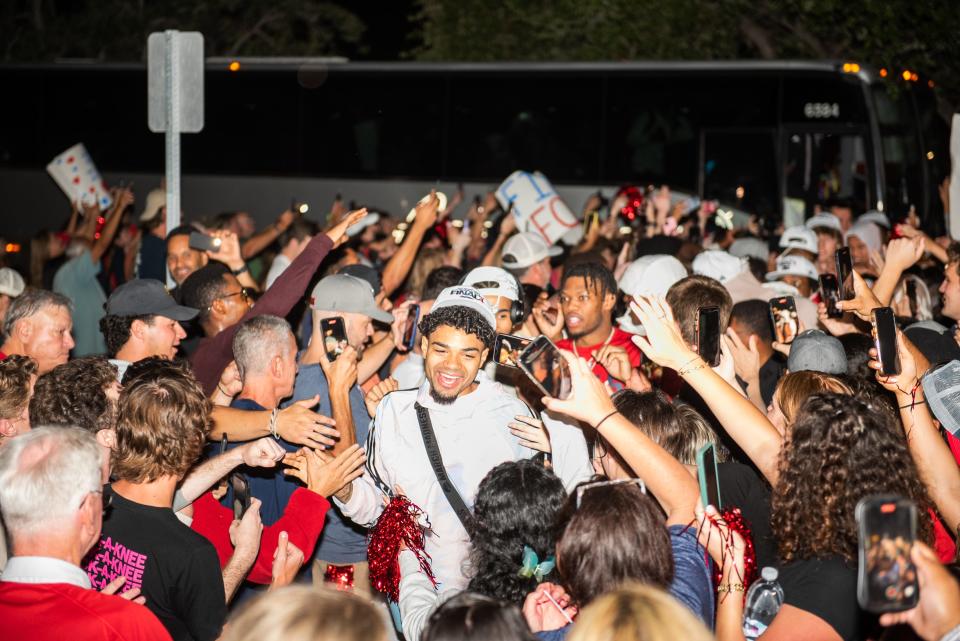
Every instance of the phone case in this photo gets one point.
(886, 576)
(701, 475)
(539, 344)
(715, 357)
(883, 318)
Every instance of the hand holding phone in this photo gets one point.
(543, 363)
(885, 339)
(334, 333)
(786, 323)
(204, 243)
(410, 329)
(845, 273)
(707, 474)
(708, 335)
(887, 576)
(830, 294)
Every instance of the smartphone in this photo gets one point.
(507, 348)
(783, 314)
(885, 339)
(204, 243)
(223, 444)
(241, 495)
(708, 334)
(542, 362)
(845, 273)
(410, 330)
(298, 207)
(589, 220)
(334, 336)
(830, 294)
(887, 577)
(709, 479)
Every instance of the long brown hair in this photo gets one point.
(796, 387)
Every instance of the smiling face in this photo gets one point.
(452, 359)
(181, 259)
(161, 336)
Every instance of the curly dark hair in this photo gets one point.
(74, 394)
(475, 617)
(517, 505)
(116, 330)
(840, 449)
(463, 318)
(595, 275)
(15, 373)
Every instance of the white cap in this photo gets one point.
(363, 223)
(769, 574)
(525, 249)
(750, 247)
(462, 296)
(651, 275)
(156, 200)
(793, 266)
(11, 282)
(824, 220)
(718, 264)
(875, 217)
(493, 281)
(800, 237)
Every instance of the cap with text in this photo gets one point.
(463, 296)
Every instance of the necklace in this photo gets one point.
(592, 360)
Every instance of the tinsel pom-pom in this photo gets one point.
(735, 521)
(397, 527)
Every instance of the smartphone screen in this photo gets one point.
(507, 348)
(708, 335)
(410, 329)
(830, 294)
(887, 577)
(707, 473)
(885, 339)
(845, 273)
(783, 313)
(546, 367)
(204, 243)
(241, 495)
(334, 336)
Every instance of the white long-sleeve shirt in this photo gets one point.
(473, 437)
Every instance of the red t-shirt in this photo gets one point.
(60, 611)
(620, 338)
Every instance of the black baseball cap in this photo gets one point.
(366, 273)
(146, 297)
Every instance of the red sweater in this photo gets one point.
(620, 339)
(302, 520)
(214, 353)
(61, 611)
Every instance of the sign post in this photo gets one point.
(174, 102)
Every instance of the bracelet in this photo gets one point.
(240, 270)
(688, 369)
(273, 423)
(597, 426)
(730, 587)
(913, 404)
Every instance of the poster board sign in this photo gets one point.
(78, 178)
(537, 207)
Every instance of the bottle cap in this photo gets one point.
(769, 574)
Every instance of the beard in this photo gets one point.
(441, 400)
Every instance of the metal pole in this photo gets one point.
(172, 65)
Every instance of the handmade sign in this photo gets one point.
(75, 174)
(537, 206)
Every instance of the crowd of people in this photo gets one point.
(245, 454)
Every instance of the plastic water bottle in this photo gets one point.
(763, 602)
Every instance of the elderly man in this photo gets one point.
(39, 325)
(44, 595)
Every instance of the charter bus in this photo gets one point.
(772, 138)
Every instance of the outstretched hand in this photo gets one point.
(663, 344)
(589, 401)
(338, 233)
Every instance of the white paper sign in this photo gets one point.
(75, 174)
(536, 205)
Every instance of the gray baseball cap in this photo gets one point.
(146, 297)
(817, 351)
(345, 293)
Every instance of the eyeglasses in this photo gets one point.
(596, 484)
(245, 293)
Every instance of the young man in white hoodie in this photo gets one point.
(469, 415)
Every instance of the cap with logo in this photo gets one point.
(525, 249)
(799, 237)
(493, 281)
(345, 293)
(793, 266)
(718, 264)
(817, 351)
(463, 296)
(11, 282)
(828, 221)
(146, 297)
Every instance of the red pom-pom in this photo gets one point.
(735, 521)
(397, 526)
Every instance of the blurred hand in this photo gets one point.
(531, 432)
(863, 302)
(122, 198)
(726, 546)
(400, 315)
(541, 312)
(324, 474)
(427, 211)
(904, 253)
(338, 233)
(297, 424)
(342, 373)
(909, 376)
(616, 361)
(132, 594)
(284, 221)
(287, 561)
(263, 452)
(663, 343)
(836, 326)
(377, 392)
(245, 533)
(540, 612)
(230, 382)
(938, 610)
(229, 252)
(746, 358)
(589, 401)
(508, 225)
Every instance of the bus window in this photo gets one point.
(499, 124)
(739, 169)
(903, 174)
(820, 166)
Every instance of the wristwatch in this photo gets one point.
(240, 270)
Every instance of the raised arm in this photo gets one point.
(746, 424)
(397, 268)
(295, 424)
(122, 199)
(901, 255)
(669, 481)
(258, 242)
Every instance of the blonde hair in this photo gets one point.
(426, 261)
(638, 613)
(306, 613)
(796, 387)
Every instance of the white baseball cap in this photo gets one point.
(525, 249)
(793, 266)
(800, 237)
(651, 275)
(718, 264)
(750, 247)
(463, 296)
(875, 217)
(11, 282)
(156, 200)
(824, 220)
(493, 281)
